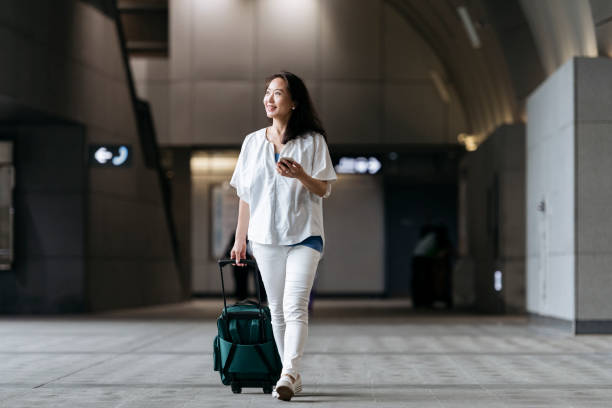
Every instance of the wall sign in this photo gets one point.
(359, 165)
(110, 155)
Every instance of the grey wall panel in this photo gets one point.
(115, 283)
(512, 212)
(602, 12)
(287, 38)
(555, 185)
(50, 160)
(120, 117)
(514, 285)
(604, 38)
(351, 112)
(161, 118)
(101, 136)
(114, 227)
(58, 86)
(353, 265)
(260, 119)
(30, 87)
(225, 42)
(96, 40)
(550, 177)
(180, 37)
(8, 72)
(558, 156)
(167, 288)
(180, 187)
(152, 85)
(594, 187)
(414, 113)
(137, 184)
(52, 224)
(200, 232)
(117, 228)
(593, 98)
(496, 233)
(545, 118)
(64, 283)
(316, 93)
(351, 39)
(52, 285)
(407, 56)
(151, 69)
(222, 112)
(88, 101)
(182, 96)
(601, 9)
(593, 283)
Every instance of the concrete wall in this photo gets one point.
(152, 84)
(550, 179)
(568, 163)
(593, 191)
(354, 262)
(50, 217)
(494, 178)
(65, 61)
(365, 67)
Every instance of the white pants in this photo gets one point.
(288, 273)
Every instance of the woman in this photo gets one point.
(283, 173)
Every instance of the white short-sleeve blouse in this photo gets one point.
(282, 210)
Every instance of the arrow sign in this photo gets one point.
(373, 165)
(102, 155)
(359, 165)
(110, 155)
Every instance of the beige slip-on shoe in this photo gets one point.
(286, 389)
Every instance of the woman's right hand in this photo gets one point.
(239, 252)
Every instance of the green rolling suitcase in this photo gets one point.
(244, 350)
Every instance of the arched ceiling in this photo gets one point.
(479, 75)
(562, 29)
(521, 43)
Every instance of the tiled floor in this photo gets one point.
(359, 354)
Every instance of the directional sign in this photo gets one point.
(110, 155)
(359, 165)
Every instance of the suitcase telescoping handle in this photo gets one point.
(250, 262)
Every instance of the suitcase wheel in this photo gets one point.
(267, 389)
(236, 389)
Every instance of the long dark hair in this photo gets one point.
(304, 117)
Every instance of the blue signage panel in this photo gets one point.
(110, 155)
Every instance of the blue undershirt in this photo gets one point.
(315, 241)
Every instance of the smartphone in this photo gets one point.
(289, 159)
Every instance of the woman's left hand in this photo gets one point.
(290, 169)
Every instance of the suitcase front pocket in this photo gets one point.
(246, 359)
